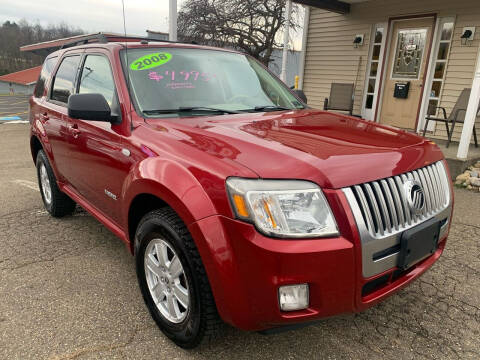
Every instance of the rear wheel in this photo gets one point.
(173, 281)
(56, 202)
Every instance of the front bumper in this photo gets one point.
(246, 268)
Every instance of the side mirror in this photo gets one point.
(300, 94)
(89, 107)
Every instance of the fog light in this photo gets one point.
(293, 297)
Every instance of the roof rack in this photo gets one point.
(109, 37)
(47, 47)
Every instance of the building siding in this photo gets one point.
(331, 57)
(17, 88)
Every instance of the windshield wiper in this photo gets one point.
(190, 109)
(269, 107)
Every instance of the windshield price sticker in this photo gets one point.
(181, 75)
(150, 61)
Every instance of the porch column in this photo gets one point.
(471, 114)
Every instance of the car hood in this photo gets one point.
(333, 150)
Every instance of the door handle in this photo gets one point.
(75, 131)
(44, 117)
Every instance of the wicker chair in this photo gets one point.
(456, 116)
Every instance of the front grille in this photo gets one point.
(384, 206)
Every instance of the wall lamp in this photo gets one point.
(358, 40)
(468, 33)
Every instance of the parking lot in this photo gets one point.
(68, 290)
(13, 108)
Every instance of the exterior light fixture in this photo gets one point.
(358, 40)
(293, 297)
(468, 34)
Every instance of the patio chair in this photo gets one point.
(456, 116)
(341, 98)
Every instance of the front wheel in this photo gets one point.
(173, 281)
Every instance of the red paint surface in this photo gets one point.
(185, 161)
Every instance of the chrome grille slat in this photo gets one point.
(376, 210)
(446, 191)
(364, 205)
(430, 189)
(398, 203)
(417, 178)
(434, 186)
(384, 206)
(437, 186)
(400, 180)
(441, 191)
(390, 203)
(423, 181)
(405, 177)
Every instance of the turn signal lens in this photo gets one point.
(240, 205)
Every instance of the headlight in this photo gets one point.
(282, 208)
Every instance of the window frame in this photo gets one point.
(437, 40)
(46, 84)
(53, 78)
(115, 99)
(369, 113)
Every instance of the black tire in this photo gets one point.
(60, 204)
(202, 322)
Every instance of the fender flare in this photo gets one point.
(171, 183)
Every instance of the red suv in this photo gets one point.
(238, 201)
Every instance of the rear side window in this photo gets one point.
(63, 85)
(45, 74)
(97, 78)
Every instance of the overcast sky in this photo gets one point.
(97, 15)
(91, 15)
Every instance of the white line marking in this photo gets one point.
(17, 122)
(28, 184)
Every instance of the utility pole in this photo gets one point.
(172, 21)
(286, 31)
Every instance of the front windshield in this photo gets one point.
(174, 78)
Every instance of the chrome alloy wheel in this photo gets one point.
(45, 184)
(166, 280)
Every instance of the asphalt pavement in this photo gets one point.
(13, 108)
(68, 290)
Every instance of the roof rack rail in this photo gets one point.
(47, 47)
(101, 38)
(109, 37)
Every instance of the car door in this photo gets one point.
(54, 116)
(98, 164)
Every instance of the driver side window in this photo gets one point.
(97, 78)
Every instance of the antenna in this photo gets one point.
(126, 61)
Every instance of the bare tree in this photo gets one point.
(13, 35)
(252, 26)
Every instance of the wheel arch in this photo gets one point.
(141, 205)
(190, 202)
(35, 147)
